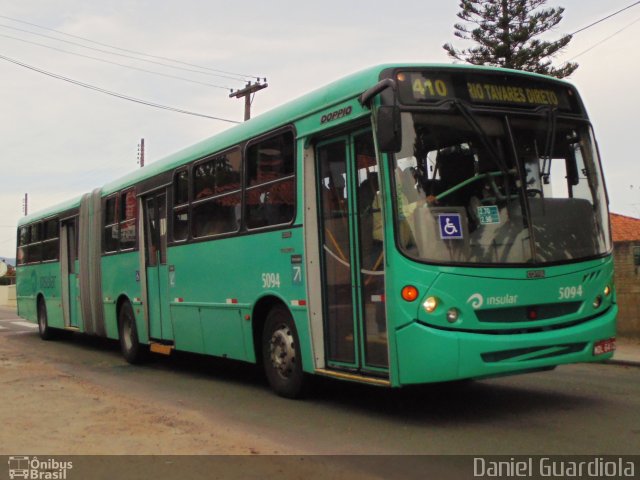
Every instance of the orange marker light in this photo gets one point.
(409, 293)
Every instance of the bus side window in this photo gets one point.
(110, 225)
(270, 184)
(217, 195)
(35, 246)
(50, 244)
(23, 241)
(128, 214)
(181, 205)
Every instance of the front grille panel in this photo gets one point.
(533, 353)
(519, 314)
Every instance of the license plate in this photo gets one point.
(604, 346)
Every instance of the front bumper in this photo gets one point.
(427, 354)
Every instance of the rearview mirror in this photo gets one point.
(388, 129)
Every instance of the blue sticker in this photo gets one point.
(450, 226)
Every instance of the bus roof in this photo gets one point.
(318, 100)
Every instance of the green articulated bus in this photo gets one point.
(406, 224)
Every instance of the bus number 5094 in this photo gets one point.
(270, 280)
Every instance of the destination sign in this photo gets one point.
(505, 90)
(530, 96)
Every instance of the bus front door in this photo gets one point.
(352, 254)
(157, 274)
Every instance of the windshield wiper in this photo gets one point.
(469, 117)
(549, 145)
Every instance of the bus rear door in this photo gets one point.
(69, 265)
(156, 271)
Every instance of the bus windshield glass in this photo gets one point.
(497, 189)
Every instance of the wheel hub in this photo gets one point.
(283, 353)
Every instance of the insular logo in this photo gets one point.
(476, 300)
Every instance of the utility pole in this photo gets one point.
(141, 153)
(25, 204)
(246, 93)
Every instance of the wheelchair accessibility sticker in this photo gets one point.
(450, 226)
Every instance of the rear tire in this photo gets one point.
(45, 331)
(281, 354)
(132, 351)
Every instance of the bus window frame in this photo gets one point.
(26, 246)
(121, 194)
(182, 206)
(20, 244)
(105, 225)
(293, 175)
(45, 239)
(37, 224)
(243, 229)
(118, 195)
(193, 202)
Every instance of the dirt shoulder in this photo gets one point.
(46, 410)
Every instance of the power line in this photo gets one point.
(113, 94)
(115, 63)
(244, 76)
(604, 40)
(607, 17)
(123, 55)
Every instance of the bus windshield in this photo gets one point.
(498, 189)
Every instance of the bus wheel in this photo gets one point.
(131, 349)
(46, 333)
(281, 354)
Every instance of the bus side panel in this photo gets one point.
(50, 286)
(26, 291)
(219, 281)
(222, 332)
(42, 279)
(120, 276)
(187, 329)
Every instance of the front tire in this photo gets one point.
(132, 351)
(281, 354)
(45, 331)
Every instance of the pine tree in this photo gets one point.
(505, 32)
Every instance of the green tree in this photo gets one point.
(505, 32)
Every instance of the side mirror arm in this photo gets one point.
(367, 96)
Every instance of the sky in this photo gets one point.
(59, 140)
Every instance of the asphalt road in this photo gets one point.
(11, 323)
(587, 409)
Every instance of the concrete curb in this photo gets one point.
(621, 361)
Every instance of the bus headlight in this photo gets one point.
(597, 302)
(452, 315)
(430, 304)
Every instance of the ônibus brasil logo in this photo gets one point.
(33, 468)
